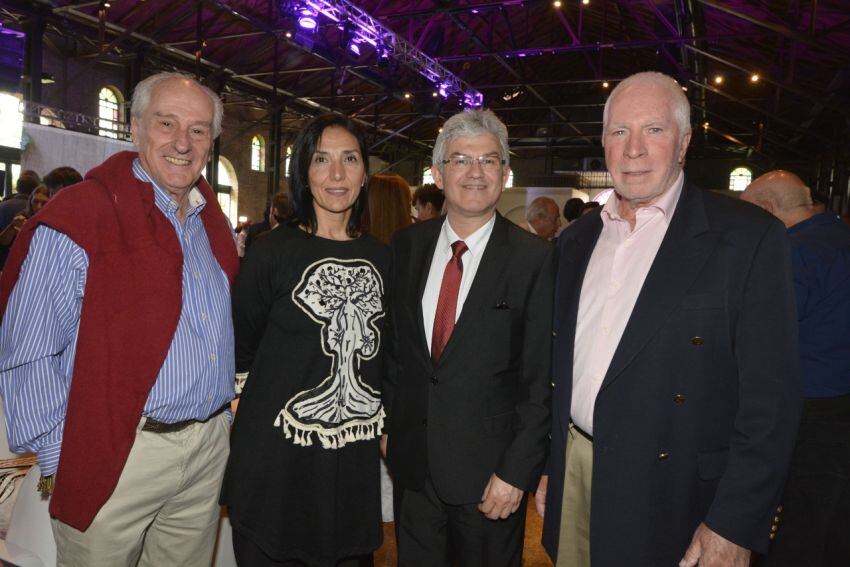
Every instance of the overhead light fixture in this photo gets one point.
(557, 3)
(718, 80)
(585, 2)
(288, 34)
(754, 78)
(47, 79)
(435, 94)
(354, 47)
(605, 84)
(307, 18)
(407, 95)
(705, 125)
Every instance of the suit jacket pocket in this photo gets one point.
(712, 464)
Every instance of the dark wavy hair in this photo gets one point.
(300, 197)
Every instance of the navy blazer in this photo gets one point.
(696, 418)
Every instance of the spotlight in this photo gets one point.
(354, 47)
(705, 125)
(754, 78)
(557, 3)
(604, 84)
(443, 90)
(585, 2)
(288, 34)
(434, 94)
(307, 18)
(407, 95)
(718, 80)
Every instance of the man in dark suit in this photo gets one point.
(468, 396)
(677, 393)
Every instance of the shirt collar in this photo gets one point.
(818, 219)
(475, 242)
(162, 199)
(666, 202)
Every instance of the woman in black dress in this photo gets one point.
(302, 483)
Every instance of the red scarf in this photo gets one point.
(132, 303)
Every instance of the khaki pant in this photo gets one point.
(574, 539)
(164, 510)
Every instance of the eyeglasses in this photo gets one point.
(487, 163)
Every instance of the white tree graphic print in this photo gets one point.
(345, 297)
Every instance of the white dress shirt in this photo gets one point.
(476, 243)
(615, 274)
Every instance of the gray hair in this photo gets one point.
(143, 91)
(540, 208)
(470, 123)
(681, 108)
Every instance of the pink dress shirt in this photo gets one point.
(615, 274)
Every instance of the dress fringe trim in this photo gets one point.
(355, 430)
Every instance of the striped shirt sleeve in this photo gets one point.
(37, 344)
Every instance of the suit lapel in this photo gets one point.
(686, 247)
(481, 292)
(421, 256)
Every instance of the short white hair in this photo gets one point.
(470, 123)
(681, 108)
(143, 91)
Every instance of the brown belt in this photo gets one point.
(153, 426)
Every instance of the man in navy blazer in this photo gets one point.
(676, 397)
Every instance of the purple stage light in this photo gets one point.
(307, 18)
(443, 90)
(354, 47)
(473, 99)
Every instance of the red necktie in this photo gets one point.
(444, 318)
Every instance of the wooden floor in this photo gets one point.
(532, 555)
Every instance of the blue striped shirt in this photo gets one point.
(39, 335)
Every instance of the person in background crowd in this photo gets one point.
(277, 213)
(816, 502)
(468, 396)
(588, 207)
(302, 481)
(12, 206)
(60, 178)
(572, 209)
(676, 374)
(119, 378)
(428, 201)
(543, 218)
(388, 208)
(37, 199)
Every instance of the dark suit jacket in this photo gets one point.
(696, 417)
(484, 408)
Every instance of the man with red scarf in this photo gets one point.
(116, 349)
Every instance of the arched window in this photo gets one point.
(426, 176)
(258, 153)
(108, 112)
(287, 160)
(228, 189)
(740, 178)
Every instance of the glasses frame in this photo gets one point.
(501, 162)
